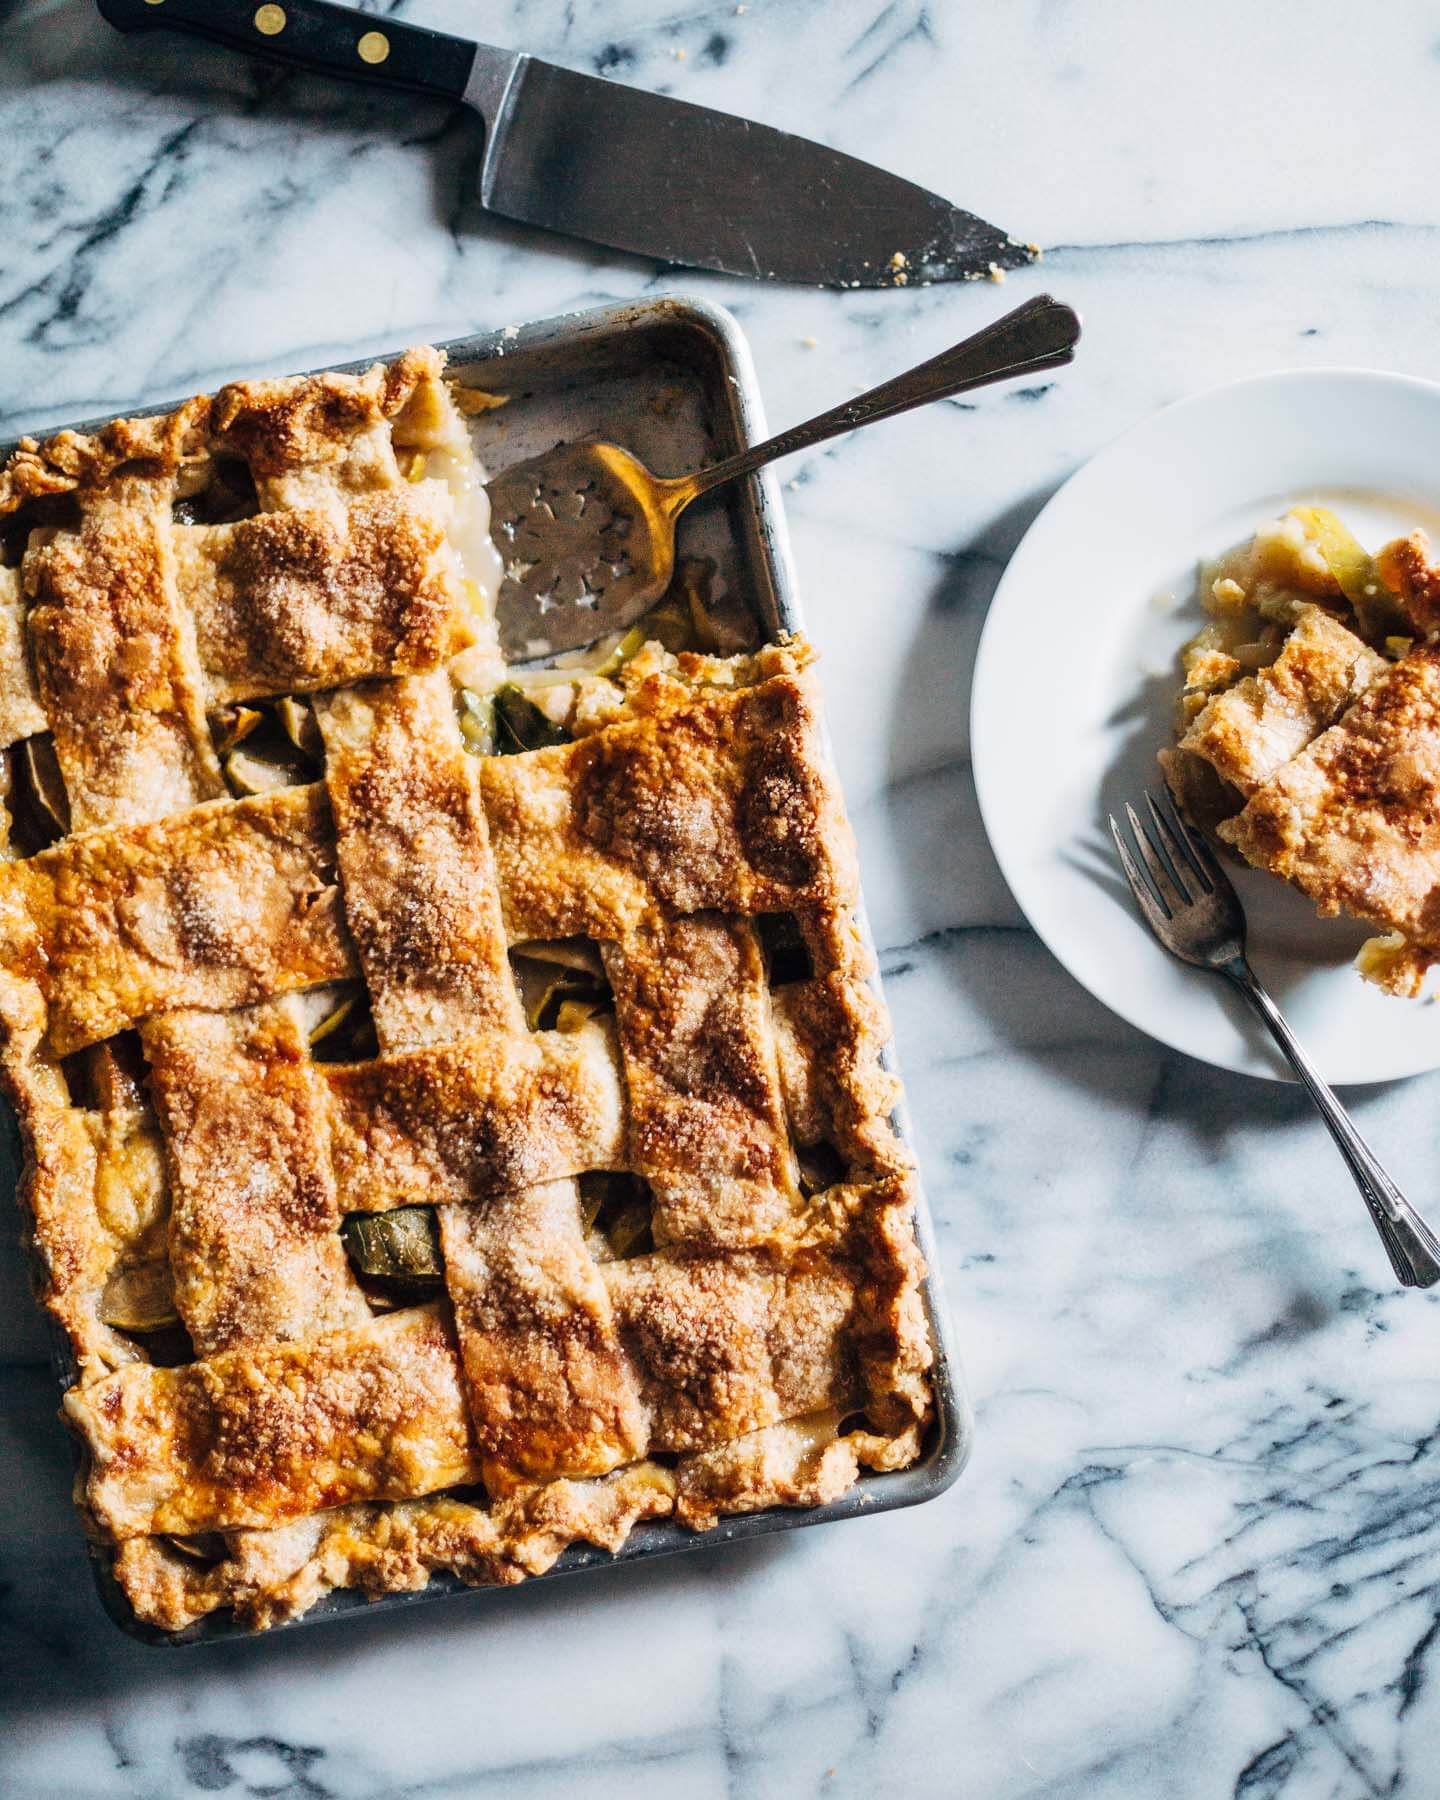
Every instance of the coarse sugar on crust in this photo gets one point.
(427, 1159)
(1354, 822)
(1322, 767)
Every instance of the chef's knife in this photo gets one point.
(639, 171)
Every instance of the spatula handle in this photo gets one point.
(313, 35)
(1039, 335)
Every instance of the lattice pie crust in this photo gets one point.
(189, 1156)
(1321, 764)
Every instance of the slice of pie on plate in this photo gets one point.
(1310, 728)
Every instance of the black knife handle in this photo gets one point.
(313, 35)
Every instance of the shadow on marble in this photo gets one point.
(223, 86)
(959, 864)
(58, 1648)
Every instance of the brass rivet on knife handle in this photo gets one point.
(374, 47)
(270, 20)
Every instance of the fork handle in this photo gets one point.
(1410, 1244)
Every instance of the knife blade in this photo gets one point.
(620, 166)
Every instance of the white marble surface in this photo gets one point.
(1197, 1551)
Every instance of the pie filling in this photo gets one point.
(1309, 728)
(452, 1095)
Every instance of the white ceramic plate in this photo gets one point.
(1076, 680)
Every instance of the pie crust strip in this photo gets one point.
(771, 1344)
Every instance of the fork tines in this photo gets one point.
(1179, 868)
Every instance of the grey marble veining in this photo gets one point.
(1198, 1549)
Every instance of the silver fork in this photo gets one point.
(1191, 907)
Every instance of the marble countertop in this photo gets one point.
(1198, 1548)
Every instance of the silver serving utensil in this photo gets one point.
(1187, 901)
(587, 534)
(645, 172)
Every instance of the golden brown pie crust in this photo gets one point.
(767, 1342)
(1323, 768)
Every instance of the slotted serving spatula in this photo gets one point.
(587, 534)
(574, 153)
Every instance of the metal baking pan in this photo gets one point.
(671, 379)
